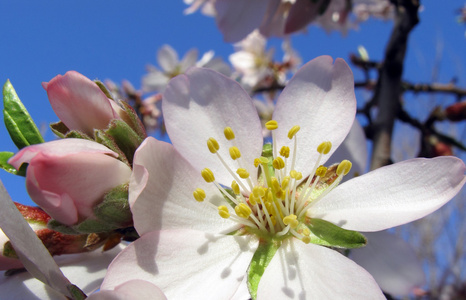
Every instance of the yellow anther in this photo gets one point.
(269, 195)
(291, 220)
(253, 200)
(269, 206)
(285, 151)
(223, 212)
(208, 175)
(296, 175)
(235, 153)
(243, 210)
(213, 146)
(324, 147)
(278, 163)
(321, 171)
(285, 182)
(243, 173)
(257, 162)
(280, 194)
(293, 131)
(199, 194)
(344, 167)
(235, 187)
(229, 134)
(306, 239)
(306, 231)
(271, 125)
(275, 183)
(274, 221)
(258, 191)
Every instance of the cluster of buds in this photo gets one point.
(80, 181)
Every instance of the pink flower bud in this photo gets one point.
(456, 112)
(80, 103)
(68, 177)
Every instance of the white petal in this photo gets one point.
(300, 271)
(392, 195)
(154, 81)
(34, 256)
(320, 99)
(185, 263)
(236, 19)
(161, 192)
(167, 58)
(188, 60)
(354, 149)
(85, 270)
(199, 105)
(133, 289)
(391, 261)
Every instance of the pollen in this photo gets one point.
(271, 125)
(324, 148)
(235, 187)
(229, 134)
(243, 173)
(285, 151)
(213, 146)
(223, 212)
(235, 153)
(344, 167)
(321, 170)
(199, 195)
(278, 163)
(208, 175)
(291, 220)
(243, 210)
(293, 131)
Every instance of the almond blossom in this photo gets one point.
(211, 216)
(171, 66)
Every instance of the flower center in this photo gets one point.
(276, 205)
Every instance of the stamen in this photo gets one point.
(293, 131)
(235, 188)
(271, 125)
(291, 220)
(208, 175)
(324, 147)
(243, 210)
(235, 153)
(213, 146)
(229, 134)
(223, 212)
(243, 173)
(344, 167)
(278, 163)
(199, 194)
(285, 151)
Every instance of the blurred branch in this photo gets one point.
(389, 85)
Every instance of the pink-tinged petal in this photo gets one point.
(133, 289)
(300, 271)
(301, 13)
(273, 23)
(69, 187)
(392, 195)
(161, 192)
(392, 262)
(85, 270)
(29, 248)
(237, 18)
(320, 99)
(79, 103)
(354, 149)
(199, 105)
(59, 148)
(167, 58)
(185, 263)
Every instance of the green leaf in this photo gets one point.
(4, 157)
(18, 122)
(260, 261)
(328, 234)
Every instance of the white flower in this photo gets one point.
(278, 221)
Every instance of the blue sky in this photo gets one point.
(40, 39)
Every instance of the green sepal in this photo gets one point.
(328, 234)
(18, 122)
(125, 138)
(76, 293)
(103, 138)
(9, 251)
(261, 259)
(93, 226)
(104, 89)
(4, 157)
(60, 129)
(114, 209)
(57, 226)
(76, 134)
(132, 119)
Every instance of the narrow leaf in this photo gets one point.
(329, 234)
(260, 261)
(18, 122)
